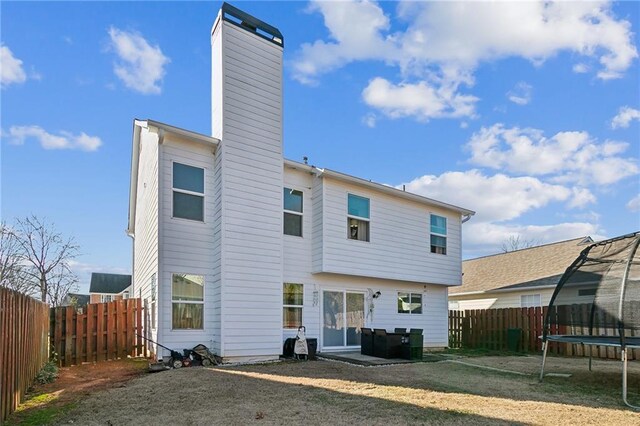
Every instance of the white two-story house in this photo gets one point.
(235, 246)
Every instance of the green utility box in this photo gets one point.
(514, 336)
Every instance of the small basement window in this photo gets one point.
(292, 303)
(409, 303)
(292, 212)
(358, 218)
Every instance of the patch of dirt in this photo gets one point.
(76, 383)
(326, 392)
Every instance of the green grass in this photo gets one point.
(41, 416)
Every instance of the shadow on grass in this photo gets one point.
(595, 389)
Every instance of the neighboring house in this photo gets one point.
(76, 299)
(235, 247)
(109, 287)
(521, 278)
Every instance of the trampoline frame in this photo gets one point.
(621, 341)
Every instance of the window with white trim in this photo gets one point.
(187, 299)
(292, 303)
(106, 298)
(292, 222)
(530, 300)
(188, 192)
(438, 234)
(358, 217)
(409, 303)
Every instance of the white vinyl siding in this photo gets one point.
(251, 191)
(530, 300)
(399, 248)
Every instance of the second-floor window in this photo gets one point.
(188, 192)
(292, 212)
(358, 217)
(438, 234)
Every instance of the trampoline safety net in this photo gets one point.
(599, 291)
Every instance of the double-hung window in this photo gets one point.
(188, 192)
(409, 303)
(530, 300)
(438, 234)
(358, 217)
(187, 299)
(292, 302)
(292, 212)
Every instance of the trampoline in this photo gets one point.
(605, 277)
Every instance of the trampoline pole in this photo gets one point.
(590, 355)
(544, 359)
(624, 380)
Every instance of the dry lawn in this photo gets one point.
(327, 392)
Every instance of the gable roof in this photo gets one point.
(109, 283)
(81, 299)
(531, 267)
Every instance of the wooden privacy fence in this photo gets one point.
(24, 346)
(497, 329)
(98, 332)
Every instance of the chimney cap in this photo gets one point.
(252, 24)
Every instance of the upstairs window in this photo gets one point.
(292, 212)
(188, 192)
(292, 303)
(358, 218)
(409, 303)
(438, 234)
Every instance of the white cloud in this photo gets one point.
(494, 198)
(565, 157)
(481, 238)
(634, 204)
(421, 100)
(369, 120)
(521, 94)
(141, 66)
(499, 201)
(581, 68)
(17, 135)
(440, 44)
(625, 116)
(11, 71)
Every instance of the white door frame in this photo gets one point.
(344, 292)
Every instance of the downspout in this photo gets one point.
(465, 218)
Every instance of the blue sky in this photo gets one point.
(526, 113)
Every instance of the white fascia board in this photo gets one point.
(377, 186)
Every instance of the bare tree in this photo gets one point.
(47, 254)
(60, 283)
(13, 273)
(514, 243)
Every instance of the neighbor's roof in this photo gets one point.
(109, 283)
(531, 267)
(81, 299)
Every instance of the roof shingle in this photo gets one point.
(531, 267)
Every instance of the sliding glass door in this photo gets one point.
(343, 317)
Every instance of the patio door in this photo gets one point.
(343, 317)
